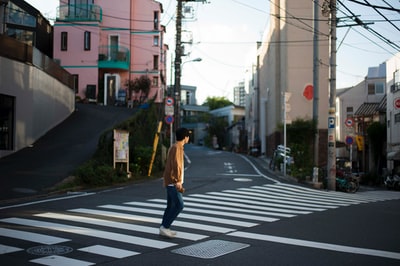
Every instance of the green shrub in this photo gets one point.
(99, 171)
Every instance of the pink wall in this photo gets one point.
(131, 22)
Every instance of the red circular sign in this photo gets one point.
(349, 122)
(169, 119)
(308, 92)
(169, 101)
(349, 140)
(396, 103)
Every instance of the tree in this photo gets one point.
(141, 84)
(216, 102)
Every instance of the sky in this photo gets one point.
(225, 33)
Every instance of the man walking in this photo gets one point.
(173, 182)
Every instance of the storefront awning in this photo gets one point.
(393, 155)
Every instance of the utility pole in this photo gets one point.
(316, 80)
(178, 59)
(331, 167)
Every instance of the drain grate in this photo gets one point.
(210, 249)
(49, 250)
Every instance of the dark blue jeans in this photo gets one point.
(174, 206)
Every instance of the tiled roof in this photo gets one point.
(382, 105)
(367, 109)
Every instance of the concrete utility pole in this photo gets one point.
(178, 59)
(316, 80)
(331, 182)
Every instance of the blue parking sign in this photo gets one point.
(331, 122)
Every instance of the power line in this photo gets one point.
(364, 25)
(375, 6)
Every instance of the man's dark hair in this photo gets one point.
(181, 133)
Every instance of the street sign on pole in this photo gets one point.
(169, 119)
(169, 110)
(349, 122)
(349, 140)
(169, 101)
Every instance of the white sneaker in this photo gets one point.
(167, 232)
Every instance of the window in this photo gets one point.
(154, 82)
(397, 118)
(64, 41)
(75, 77)
(7, 122)
(156, 20)
(376, 88)
(379, 88)
(349, 109)
(155, 40)
(87, 41)
(155, 62)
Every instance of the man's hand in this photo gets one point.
(179, 187)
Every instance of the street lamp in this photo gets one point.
(194, 60)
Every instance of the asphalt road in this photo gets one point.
(33, 170)
(235, 213)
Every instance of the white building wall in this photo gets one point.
(286, 65)
(393, 129)
(41, 101)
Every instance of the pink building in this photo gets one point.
(108, 45)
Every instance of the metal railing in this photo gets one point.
(85, 12)
(16, 50)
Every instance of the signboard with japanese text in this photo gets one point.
(121, 147)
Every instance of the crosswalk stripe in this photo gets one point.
(287, 208)
(225, 213)
(91, 232)
(196, 217)
(287, 201)
(61, 261)
(240, 207)
(179, 223)
(4, 249)
(336, 196)
(109, 251)
(32, 237)
(271, 200)
(324, 197)
(118, 225)
(366, 196)
(361, 197)
(232, 209)
(213, 206)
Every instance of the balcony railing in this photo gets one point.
(116, 57)
(85, 12)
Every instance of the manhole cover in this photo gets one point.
(210, 249)
(49, 250)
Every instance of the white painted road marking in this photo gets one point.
(109, 251)
(91, 232)
(61, 261)
(4, 249)
(318, 245)
(32, 237)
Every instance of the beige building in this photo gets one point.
(356, 108)
(285, 64)
(393, 112)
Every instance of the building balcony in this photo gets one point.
(114, 57)
(85, 12)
